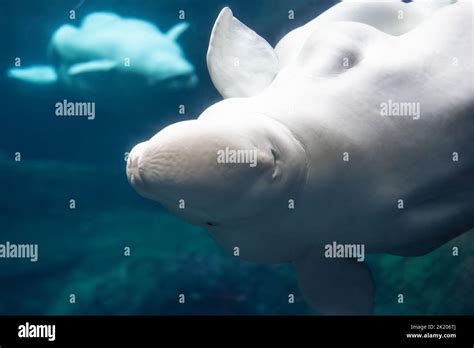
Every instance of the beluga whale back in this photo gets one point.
(352, 136)
(107, 51)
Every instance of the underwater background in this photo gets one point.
(81, 250)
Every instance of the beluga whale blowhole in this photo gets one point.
(108, 52)
(335, 178)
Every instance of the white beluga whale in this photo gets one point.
(362, 138)
(108, 51)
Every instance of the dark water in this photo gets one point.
(81, 250)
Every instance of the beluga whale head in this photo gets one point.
(165, 62)
(171, 70)
(222, 170)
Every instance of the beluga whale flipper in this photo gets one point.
(359, 142)
(240, 62)
(107, 50)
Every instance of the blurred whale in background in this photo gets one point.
(109, 53)
(298, 112)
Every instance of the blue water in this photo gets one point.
(81, 250)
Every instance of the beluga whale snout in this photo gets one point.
(300, 163)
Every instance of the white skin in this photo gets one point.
(390, 16)
(313, 112)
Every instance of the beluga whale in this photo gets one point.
(107, 52)
(352, 136)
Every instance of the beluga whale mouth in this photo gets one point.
(300, 158)
(185, 80)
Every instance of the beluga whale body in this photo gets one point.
(108, 52)
(362, 131)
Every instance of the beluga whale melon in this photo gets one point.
(108, 52)
(352, 136)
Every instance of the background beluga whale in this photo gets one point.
(362, 133)
(108, 51)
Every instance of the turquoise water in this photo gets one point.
(84, 251)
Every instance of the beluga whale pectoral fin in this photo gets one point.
(240, 62)
(175, 32)
(92, 66)
(335, 286)
(36, 74)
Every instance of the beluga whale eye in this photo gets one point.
(276, 170)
